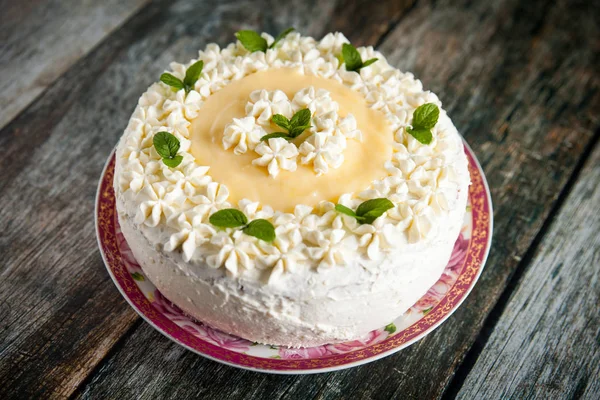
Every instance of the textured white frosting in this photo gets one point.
(325, 278)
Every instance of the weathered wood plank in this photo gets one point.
(40, 40)
(59, 312)
(546, 343)
(365, 23)
(521, 85)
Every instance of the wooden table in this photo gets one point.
(520, 80)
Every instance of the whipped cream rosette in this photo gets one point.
(300, 135)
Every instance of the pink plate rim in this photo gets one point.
(479, 246)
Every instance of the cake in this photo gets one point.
(291, 191)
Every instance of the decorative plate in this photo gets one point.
(442, 299)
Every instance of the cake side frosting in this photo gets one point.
(326, 277)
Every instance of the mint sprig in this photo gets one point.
(228, 218)
(368, 211)
(261, 229)
(167, 146)
(191, 76)
(282, 35)
(352, 58)
(299, 123)
(390, 328)
(424, 119)
(233, 218)
(252, 40)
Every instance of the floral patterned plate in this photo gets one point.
(461, 273)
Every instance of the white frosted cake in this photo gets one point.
(291, 191)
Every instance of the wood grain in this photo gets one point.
(367, 24)
(60, 314)
(520, 84)
(545, 345)
(40, 40)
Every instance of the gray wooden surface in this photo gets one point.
(40, 40)
(518, 78)
(545, 344)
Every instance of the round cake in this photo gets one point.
(291, 191)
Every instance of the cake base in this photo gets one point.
(261, 314)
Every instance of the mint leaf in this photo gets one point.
(372, 209)
(391, 328)
(422, 135)
(301, 118)
(228, 218)
(426, 311)
(298, 124)
(424, 119)
(192, 74)
(425, 116)
(368, 211)
(351, 57)
(281, 36)
(252, 41)
(233, 218)
(345, 210)
(166, 144)
(173, 162)
(276, 135)
(281, 120)
(261, 229)
(297, 130)
(137, 276)
(369, 62)
(172, 81)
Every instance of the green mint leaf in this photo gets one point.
(301, 118)
(425, 116)
(391, 328)
(297, 130)
(252, 41)
(281, 120)
(281, 36)
(261, 229)
(340, 58)
(345, 210)
(192, 74)
(166, 144)
(422, 135)
(369, 62)
(228, 218)
(426, 311)
(173, 162)
(374, 204)
(137, 276)
(274, 135)
(372, 209)
(171, 81)
(351, 57)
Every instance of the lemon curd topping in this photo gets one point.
(364, 160)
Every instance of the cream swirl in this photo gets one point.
(243, 133)
(276, 154)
